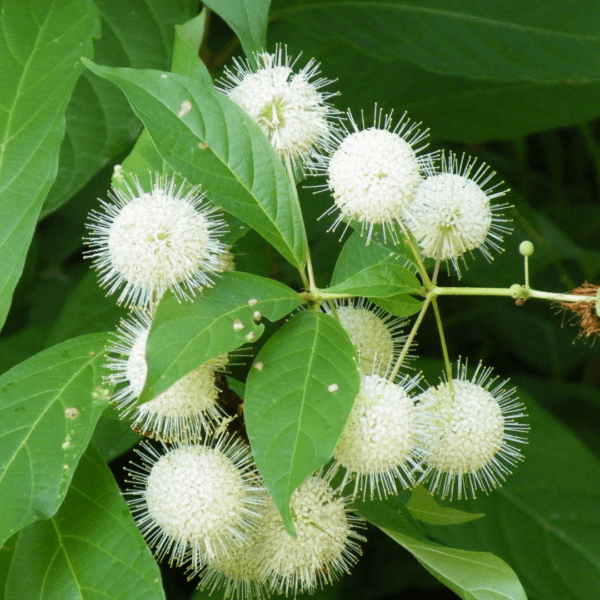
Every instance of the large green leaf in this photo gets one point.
(481, 40)
(454, 107)
(40, 46)
(545, 518)
(185, 335)
(380, 280)
(49, 406)
(90, 549)
(357, 256)
(216, 144)
(471, 575)
(297, 404)
(248, 18)
(100, 125)
(422, 506)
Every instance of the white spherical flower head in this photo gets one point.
(196, 503)
(468, 443)
(374, 332)
(148, 242)
(237, 573)
(289, 107)
(373, 173)
(185, 412)
(323, 549)
(378, 445)
(452, 214)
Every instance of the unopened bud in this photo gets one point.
(526, 248)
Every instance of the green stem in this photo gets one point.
(515, 291)
(310, 283)
(410, 338)
(440, 327)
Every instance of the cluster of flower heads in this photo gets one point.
(197, 495)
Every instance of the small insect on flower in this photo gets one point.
(194, 502)
(187, 411)
(324, 547)
(148, 242)
(289, 107)
(373, 172)
(451, 213)
(374, 332)
(472, 429)
(379, 445)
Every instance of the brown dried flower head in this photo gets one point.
(586, 311)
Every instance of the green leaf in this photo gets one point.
(113, 436)
(7, 550)
(40, 46)
(91, 549)
(49, 406)
(454, 107)
(185, 335)
(218, 145)
(248, 18)
(423, 507)
(547, 513)
(356, 255)
(401, 305)
(293, 419)
(87, 310)
(490, 40)
(471, 575)
(188, 38)
(100, 125)
(380, 280)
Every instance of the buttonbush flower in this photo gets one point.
(452, 212)
(289, 107)
(187, 411)
(373, 172)
(148, 242)
(325, 545)
(374, 332)
(378, 447)
(194, 502)
(237, 573)
(470, 442)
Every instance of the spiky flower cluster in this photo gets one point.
(375, 333)
(474, 425)
(288, 106)
(197, 496)
(147, 242)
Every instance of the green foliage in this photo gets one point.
(475, 73)
(239, 170)
(50, 405)
(294, 418)
(186, 335)
(39, 54)
(91, 548)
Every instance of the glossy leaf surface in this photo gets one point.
(185, 335)
(90, 549)
(40, 46)
(294, 416)
(206, 138)
(49, 406)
